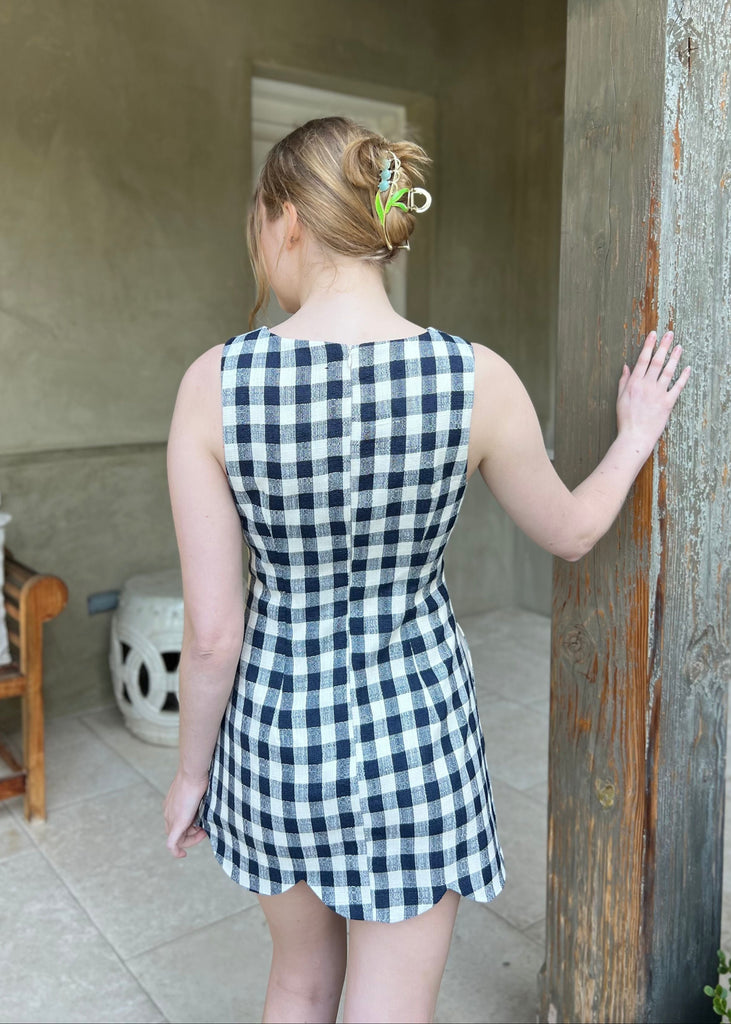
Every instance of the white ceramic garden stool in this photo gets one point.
(147, 636)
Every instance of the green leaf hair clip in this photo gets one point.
(388, 182)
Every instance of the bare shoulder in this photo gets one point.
(203, 370)
(199, 394)
(496, 382)
(198, 405)
(491, 369)
(499, 395)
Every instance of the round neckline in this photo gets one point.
(342, 344)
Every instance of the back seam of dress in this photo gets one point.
(357, 777)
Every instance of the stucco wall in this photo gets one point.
(125, 179)
(535, 277)
(500, 154)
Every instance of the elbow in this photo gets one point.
(214, 643)
(578, 535)
(214, 654)
(575, 549)
(579, 549)
(574, 556)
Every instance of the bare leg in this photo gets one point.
(395, 970)
(308, 959)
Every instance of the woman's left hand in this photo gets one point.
(180, 810)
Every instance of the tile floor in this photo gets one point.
(100, 924)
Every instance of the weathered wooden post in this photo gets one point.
(641, 626)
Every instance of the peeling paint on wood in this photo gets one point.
(641, 626)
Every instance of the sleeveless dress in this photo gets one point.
(351, 753)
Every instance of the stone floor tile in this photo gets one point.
(111, 852)
(510, 629)
(78, 764)
(518, 676)
(491, 971)
(13, 838)
(13, 804)
(54, 963)
(217, 973)
(539, 793)
(156, 763)
(516, 743)
(501, 633)
(522, 830)
(543, 707)
(5, 769)
(537, 933)
(510, 653)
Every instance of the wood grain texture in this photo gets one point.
(689, 660)
(640, 661)
(32, 599)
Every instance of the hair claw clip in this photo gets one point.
(403, 198)
(412, 205)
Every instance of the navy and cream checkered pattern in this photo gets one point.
(351, 753)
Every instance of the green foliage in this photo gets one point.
(719, 994)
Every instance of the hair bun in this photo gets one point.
(330, 170)
(362, 161)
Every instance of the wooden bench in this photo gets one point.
(30, 600)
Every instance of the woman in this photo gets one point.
(330, 745)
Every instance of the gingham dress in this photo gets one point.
(351, 753)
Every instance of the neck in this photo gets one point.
(345, 301)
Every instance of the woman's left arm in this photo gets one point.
(208, 532)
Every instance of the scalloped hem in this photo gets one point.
(385, 915)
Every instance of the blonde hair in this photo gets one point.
(329, 170)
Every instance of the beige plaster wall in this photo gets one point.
(94, 516)
(120, 205)
(535, 278)
(123, 192)
(500, 149)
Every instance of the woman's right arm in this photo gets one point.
(210, 542)
(516, 467)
